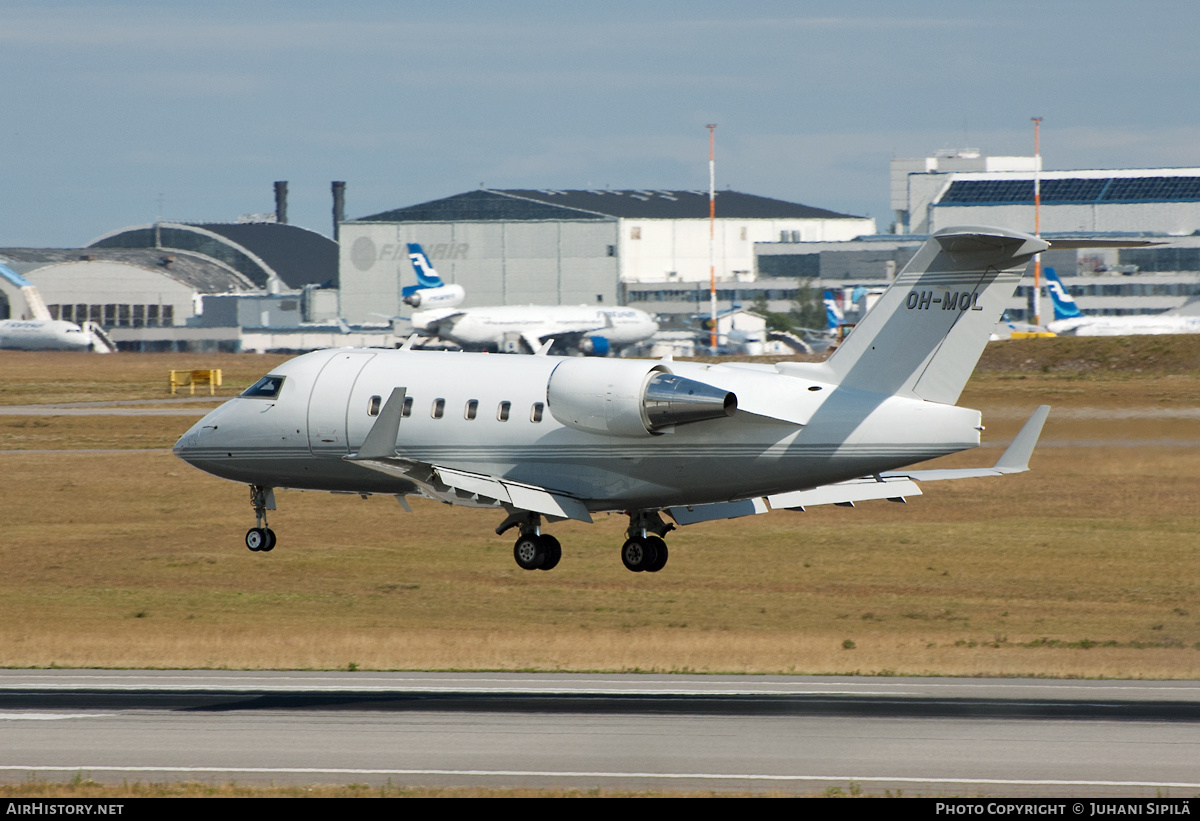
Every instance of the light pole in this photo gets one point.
(1037, 219)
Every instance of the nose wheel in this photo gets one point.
(261, 539)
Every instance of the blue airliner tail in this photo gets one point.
(1064, 305)
(427, 275)
(833, 314)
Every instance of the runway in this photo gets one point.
(779, 734)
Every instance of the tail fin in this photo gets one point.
(1064, 305)
(427, 276)
(833, 314)
(926, 333)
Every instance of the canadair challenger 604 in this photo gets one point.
(545, 438)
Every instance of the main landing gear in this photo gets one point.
(534, 550)
(644, 548)
(261, 539)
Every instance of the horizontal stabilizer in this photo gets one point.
(1071, 244)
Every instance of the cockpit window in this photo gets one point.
(265, 388)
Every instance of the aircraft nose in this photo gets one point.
(201, 437)
(187, 444)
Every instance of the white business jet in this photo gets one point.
(544, 438)
(587, 329)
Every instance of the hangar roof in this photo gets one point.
(260, 251)
(517, 204)
(201, 273)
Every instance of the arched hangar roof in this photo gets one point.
(201, 273)
(260, 251)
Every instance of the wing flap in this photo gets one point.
(840, 493)
(691, 514)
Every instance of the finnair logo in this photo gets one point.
(1059, 292)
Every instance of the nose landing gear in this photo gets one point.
(261, 539)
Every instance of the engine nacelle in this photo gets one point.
(444, 296)
(595, 345)
(630, 398)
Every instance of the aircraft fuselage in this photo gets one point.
(43, 335)
(496, 416)
(477, 327)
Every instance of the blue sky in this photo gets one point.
(116, 113)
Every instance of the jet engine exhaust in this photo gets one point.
(672, 400)
(618, 397)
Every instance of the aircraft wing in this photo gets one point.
(562, 339)
(893, 486)
(1015, 458)
(461, 487)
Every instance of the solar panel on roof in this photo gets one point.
(1073, 190)
(1154, 188)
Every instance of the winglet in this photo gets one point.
(1015, 458)
(381, 439)
(545, 348)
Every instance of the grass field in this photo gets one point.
(1085, 566)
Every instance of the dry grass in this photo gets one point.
(49, 376)
(1084, 567)
(84, 788)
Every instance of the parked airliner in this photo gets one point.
(546, 438)
(1070, 321)
(590, 330)
(43, 335)
(39, 332)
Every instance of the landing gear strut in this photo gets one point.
(534, 550)
(261, 539)
(644, 548)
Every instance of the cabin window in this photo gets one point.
(472, 409)
(439, 408)
(502, 411)
(535, 415)
(407, 412)
(265, 388)
(373, 405)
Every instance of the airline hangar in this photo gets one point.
(556, 247)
